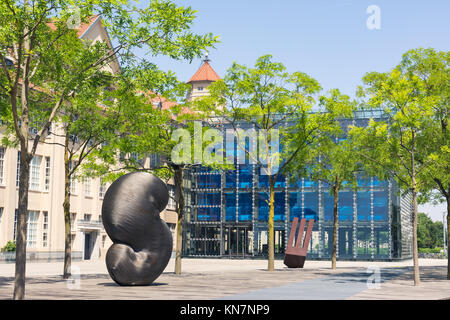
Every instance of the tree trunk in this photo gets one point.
(24, 173)
(270, 244)
(66, 208)
(335, 225)
(21, 229)
(180, 210)
(415, 247)
(414, 195)
(448, 238)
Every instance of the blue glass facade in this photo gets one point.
(229, 211)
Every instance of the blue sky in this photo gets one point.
(327, 39)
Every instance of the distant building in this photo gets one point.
(45, 226)
(228, 211)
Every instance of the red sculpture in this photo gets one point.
(295, 255)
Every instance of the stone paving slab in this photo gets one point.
(335, 287)
(206, 279)
(434, 285)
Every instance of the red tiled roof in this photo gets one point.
(83, 27)
(205, 73)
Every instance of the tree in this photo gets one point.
(391, 147)
(424, 228)
(29, 48)
(279, 107)
(155, 109)
(333, 160)
(432, 68)
(429, 232)
(89, 125)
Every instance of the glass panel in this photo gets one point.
(381, 240)
(279, 210)
(230, 206)
(208, 214)
(345, 206)
(263, 181)
(208, 181)
(295, 205)
(328, 202)
(345, 243)
(245, 207)
(280, 182)
(363, 205)
(245, 176)
(307, 183)
(380, 205)
(263, 206)
(209, 199)
(363, 236)
(311, 205)
(230, 179)
(295, 183)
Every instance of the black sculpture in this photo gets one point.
(142, 241)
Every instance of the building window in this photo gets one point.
(200, 88)
(34, 172)
(87, 187)
(171, 205)
(72, 184)
(2, 166)
(32, 223)
(18, 169)
(155, 160)
(1, 213)
(32, 228)
(72, 239)
(73, 216)
(102, 190)
(103, 241)
(45, 229)
(87, 217)
(47, 174)
(15, 224)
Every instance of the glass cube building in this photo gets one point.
(227, 214)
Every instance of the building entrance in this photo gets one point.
(237, 241)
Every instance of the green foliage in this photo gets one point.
(9, 247)
(333, 160)
(430, 250)
(429, 233)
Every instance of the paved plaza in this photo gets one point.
(205, 279)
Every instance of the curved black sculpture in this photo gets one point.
(142, 241)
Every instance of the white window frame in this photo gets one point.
(2, 165)
(47, 174)
(35, 173)
(32, 229)
(45, 229)
(87, 184)
(102, 189)
(18, 169)
(72, 182)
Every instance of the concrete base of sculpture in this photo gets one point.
(142, 241)
(295, 254)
